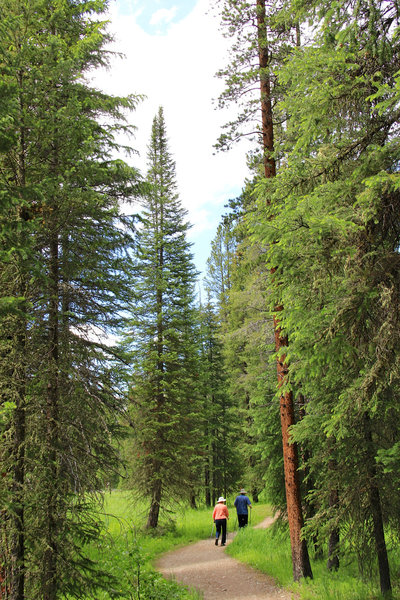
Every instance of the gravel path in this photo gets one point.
(216, 575)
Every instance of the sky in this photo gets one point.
(172, 50)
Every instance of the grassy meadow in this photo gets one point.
(127, 551)
(269, 551)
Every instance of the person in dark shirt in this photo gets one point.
(242, 502)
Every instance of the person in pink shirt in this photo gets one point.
(220, 518)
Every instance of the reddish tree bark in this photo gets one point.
(300, 558)
(267, 127)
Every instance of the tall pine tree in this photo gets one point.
(60, 189)
(335, 235)
(260, 43)
(163, 391)
(222, 464)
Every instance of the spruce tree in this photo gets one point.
(219, 270)
(222, 465)
(336, 237)
(60, 190)
(260, 43)
(163, 340)
(246, 333)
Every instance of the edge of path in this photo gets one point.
(211, 572)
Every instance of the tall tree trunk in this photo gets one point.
(267, 127)
(376, 512)
(155, 503)
(154, 512)
(50, 555)
(17, 586)
(18, 515)
(300, 558)
(50, 583)
(334, 539)
(380, 544)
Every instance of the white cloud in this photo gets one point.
(176, 71)
(163, 15)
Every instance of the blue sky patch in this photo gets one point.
(156, 16)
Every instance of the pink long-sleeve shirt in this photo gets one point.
(220, 511)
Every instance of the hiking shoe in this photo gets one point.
(216, 542)
(222, 544)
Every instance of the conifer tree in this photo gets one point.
(336, 237)
(219, 270)
(224, 285)
(222, 465)
(163, 388)
(260, 39)
(261, 42)
(60, 189)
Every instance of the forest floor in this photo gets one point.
(209, 570)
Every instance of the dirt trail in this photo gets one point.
(216, 575)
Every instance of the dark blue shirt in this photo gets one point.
(241, 503)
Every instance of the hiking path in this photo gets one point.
(216, 575)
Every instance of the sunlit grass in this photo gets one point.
(128, 551)
(269, 551)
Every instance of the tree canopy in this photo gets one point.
(112, 371)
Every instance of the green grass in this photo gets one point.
(269, 551)
(127, 551)
(256, 547)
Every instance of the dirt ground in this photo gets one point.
(216, 575)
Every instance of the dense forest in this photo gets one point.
(283, 378)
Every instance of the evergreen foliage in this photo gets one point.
(218, 280)
(63, 277)
(303, 276)
(265, 33)
(222, 428)
(261, 38)
(335, 238)
(329, 227)
(247, 337)
(164, 352)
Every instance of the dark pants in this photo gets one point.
(220, 524)
(242, 520)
